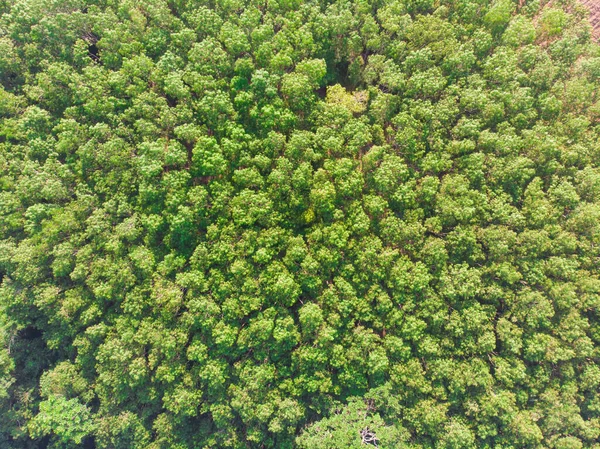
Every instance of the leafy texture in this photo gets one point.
(312, 224)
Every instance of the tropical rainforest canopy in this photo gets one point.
(299, 224)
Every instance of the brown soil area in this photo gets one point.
(594, 7)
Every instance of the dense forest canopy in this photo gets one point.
(299, 224)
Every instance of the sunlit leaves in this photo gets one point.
(235, 224)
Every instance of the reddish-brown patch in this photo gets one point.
(594, 7)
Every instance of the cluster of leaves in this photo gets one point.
(286, 223)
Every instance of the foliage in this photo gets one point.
(325, 224)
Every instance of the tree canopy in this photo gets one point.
(308, 224)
